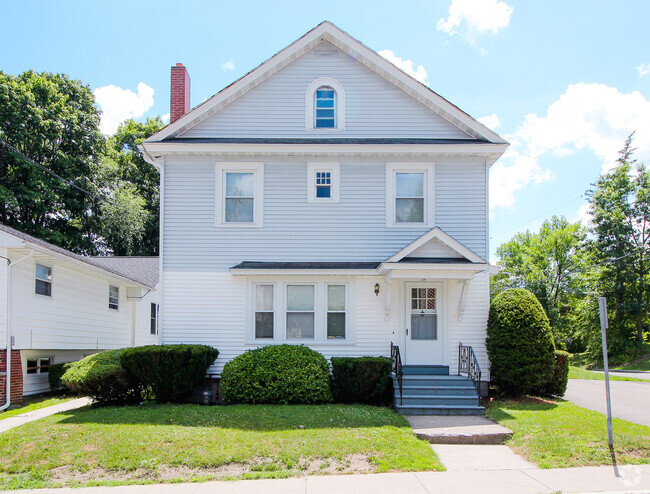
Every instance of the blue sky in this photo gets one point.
(563, 81)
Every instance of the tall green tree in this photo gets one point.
(620, 206)
(550, 264)
(53, 120)
(129, 223)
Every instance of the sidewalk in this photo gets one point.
(635, 479)
(23, 418)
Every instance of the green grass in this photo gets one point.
(558, 434)
(139, 444)
(640, 364)
(580, 373)
(31, 404)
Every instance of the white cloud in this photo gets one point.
(419, 74)
(585, 216)
(490, 121)
(165, 118)
(644, 69)
(594, 117)
(475, 18)
(228, 66)
(119, 104)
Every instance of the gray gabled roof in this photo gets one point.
(142, 270)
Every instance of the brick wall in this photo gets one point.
(180, 92)
(16, 377)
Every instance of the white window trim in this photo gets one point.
(38, 364)
(117, 309)
(310, 103)
(392, 169)
(346, 289)
(280, 312)
(51, 268)
(335, 170)
(257, 169)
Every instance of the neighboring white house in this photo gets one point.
(326, 198)
(63, 306)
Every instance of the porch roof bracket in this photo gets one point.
(462, 300)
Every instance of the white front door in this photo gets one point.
(424, 342)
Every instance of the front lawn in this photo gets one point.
(167, 443)
(580, 373)
(558, 434)
(31, 404)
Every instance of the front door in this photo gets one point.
(424, 344)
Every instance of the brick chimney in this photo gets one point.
(180, 94)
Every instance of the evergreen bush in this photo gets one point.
(277, 374)
(362, 380)
(556, 385)
(519, 343)
(55, 374)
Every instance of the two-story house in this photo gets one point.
(326, 198)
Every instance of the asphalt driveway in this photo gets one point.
(630, 400)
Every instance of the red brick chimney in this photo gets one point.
(180, 95)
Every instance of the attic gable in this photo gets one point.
(327, 32)
(436, 244)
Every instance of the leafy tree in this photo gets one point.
(620, 206)
(53, 120)
(129, 226)
(549, 264)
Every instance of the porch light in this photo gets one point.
(377, 289)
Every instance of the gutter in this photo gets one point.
(8, 327)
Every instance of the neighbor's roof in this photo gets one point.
(142, 270)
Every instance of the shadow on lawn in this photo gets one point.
(498, 409)
(243, 417)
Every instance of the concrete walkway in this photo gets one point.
(23, 418)
(630, 399)
(518, 481)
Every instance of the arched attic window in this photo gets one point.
(325, 105)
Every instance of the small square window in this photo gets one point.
(113, 297)
(323, 182)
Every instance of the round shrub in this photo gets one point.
(280, 374)
(170, 371)
(362, 380)
(102, 377)
(556, 385)
(519, 343)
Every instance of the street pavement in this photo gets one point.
(630, 399)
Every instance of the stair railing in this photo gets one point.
(397, 367)
(468, 364)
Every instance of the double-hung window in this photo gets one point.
(336, 311)
(409, 191)
(323, 182)
(300, 311)
(113, 297)
(325, 106)
(154, 318)
(264, 314)
(43, 280)
(239, 190)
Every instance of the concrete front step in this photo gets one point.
(436, 390)
(418, 380)
(437, 400)
(458, 429)
(429, 370)
(439, 410)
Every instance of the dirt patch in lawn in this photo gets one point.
(167, 473)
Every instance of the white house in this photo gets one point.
(325, 198)
(60, 306)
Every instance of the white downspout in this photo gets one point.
(133, 323)
(8, 327)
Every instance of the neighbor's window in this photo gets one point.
(409, 197)
(154, 319)
(335, 311)
(300, 311)
(240, 197)
(38, 365)
(113, 297)
(43, 282)
(325, 106)
(263, 311)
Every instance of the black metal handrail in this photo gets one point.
(468, 364)
(397, 367)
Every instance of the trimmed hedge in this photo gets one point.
(556, 386)
(277, 374)
(519, 343)
(170, 371)
(55, 374)
(362, 380)
(102, 377)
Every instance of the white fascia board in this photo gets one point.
(157, 150)
(444, 238)
(303, 272)
(417, 266)
(328, 32)
(91, 267)
(432, 274)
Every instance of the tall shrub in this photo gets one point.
(55, 373)
(556, 385)
(519, 343)
(170, 371)
(280, 374)
(362, 380)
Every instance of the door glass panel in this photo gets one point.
(424, 326)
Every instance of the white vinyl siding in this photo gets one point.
(277, 106)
